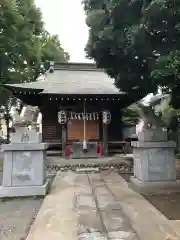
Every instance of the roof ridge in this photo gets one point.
(76, 66)
(73, 78)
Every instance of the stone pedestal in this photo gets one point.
(152, 135)
(154, 162)
(24, 172)
(23, 135)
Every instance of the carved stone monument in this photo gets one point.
(154, 159)
(24, 172)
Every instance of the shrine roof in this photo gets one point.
(72, 78)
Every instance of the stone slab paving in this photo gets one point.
(80, 207)
(115, 224)
(147, 221)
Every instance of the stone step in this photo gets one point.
(79, 170)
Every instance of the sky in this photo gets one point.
(67, 19)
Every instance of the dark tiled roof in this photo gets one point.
(73, 78)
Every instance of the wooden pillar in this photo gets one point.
(105, 139)
(64, 139)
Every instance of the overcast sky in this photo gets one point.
(67, 19)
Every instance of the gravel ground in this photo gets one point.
(17, 216)
(1, 177)
(167, 204)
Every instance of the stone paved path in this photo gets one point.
(81, 207)
(99, 214)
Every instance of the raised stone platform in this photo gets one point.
(24, 191)
(24, 172)
(159, 187)
(116, 159)
(154, 161)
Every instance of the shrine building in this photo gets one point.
(80, 107)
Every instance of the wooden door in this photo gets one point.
(92, 130)
(75, 130)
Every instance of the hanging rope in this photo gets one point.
(84, 142)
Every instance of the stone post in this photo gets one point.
(24, 172)
(154, 162)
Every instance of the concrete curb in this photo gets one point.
(146, 220)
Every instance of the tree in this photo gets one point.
(52, 49)
(167, 74)
(130, 115)
(130, 38)
(21, 25)
(24, 44)
(169, 115)
(9, 58)
(162, 20)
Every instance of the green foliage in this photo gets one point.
(130, 115)
(24, 44)
(167, 74)
(51, 49)
(137, 43)
(169, 115)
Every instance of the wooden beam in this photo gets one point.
(64, 139)
(105, 139)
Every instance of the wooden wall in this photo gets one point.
(51, 129)
(115, 127)
(75, 130)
